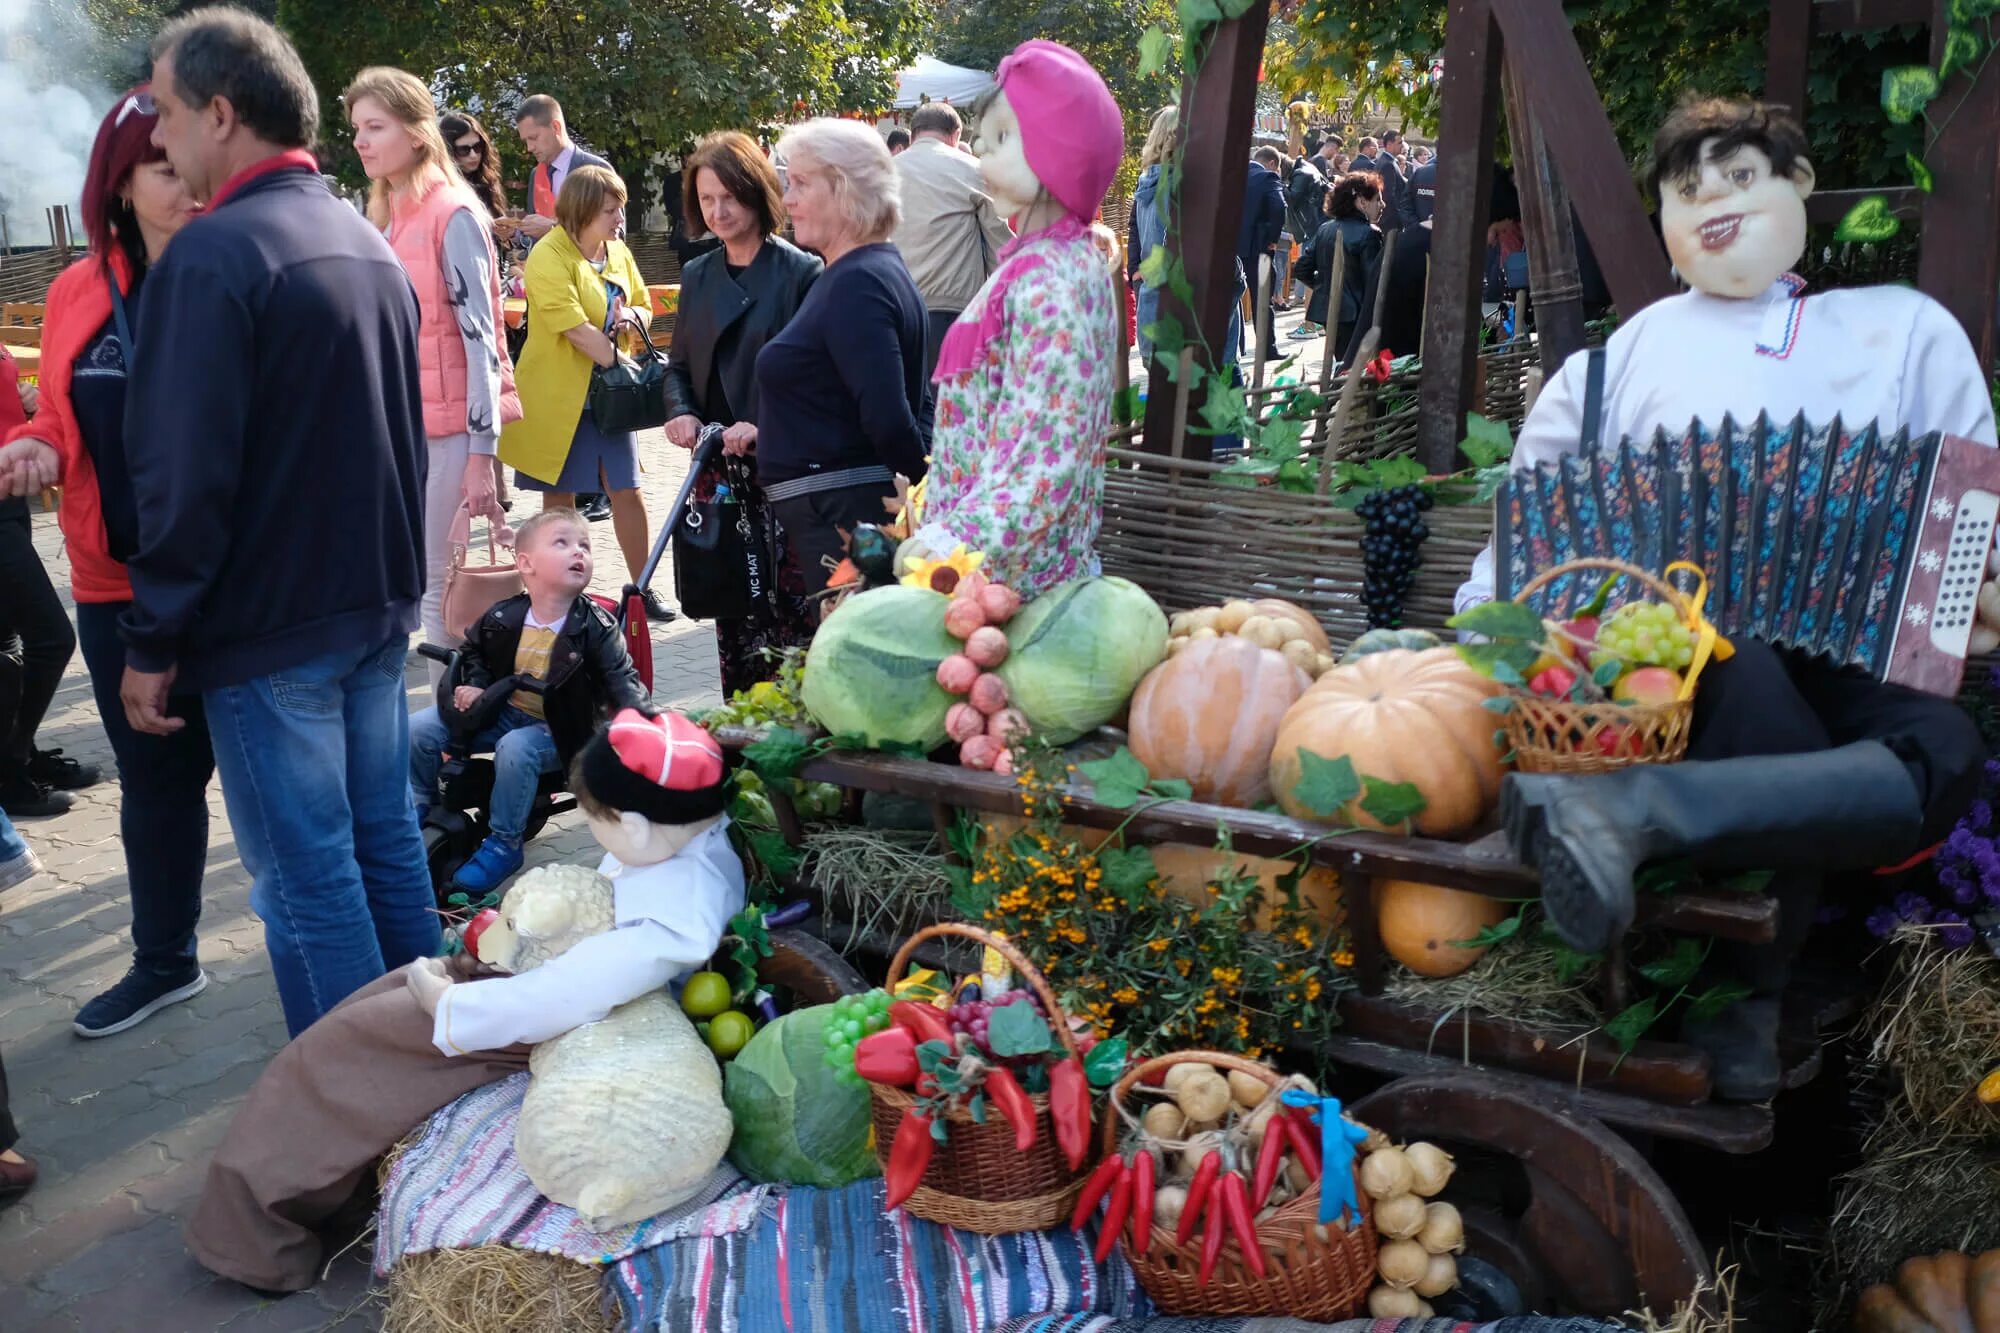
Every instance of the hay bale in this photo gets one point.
(1937, 1029)
(494, 1289)
(1916, 1192)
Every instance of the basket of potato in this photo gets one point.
(1267, 622)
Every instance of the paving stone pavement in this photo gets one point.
(123, 1126)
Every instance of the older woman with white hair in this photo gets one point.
(838, 391)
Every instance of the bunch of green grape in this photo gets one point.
(854, 1017)
(1644, 634)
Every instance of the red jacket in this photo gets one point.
(12, 413)
(78, 305)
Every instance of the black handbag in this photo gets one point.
(725, 549)
(631, 393)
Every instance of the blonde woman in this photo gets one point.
(839, 390)
(1149, 215)
(441, 232)
(583, 288)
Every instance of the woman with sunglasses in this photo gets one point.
(133, 203)
(472, 152)
(438, 228)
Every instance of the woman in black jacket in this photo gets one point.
(733, 301)
(1353, 206)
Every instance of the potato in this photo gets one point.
(1301, 655)
(1248, 1090)
(1181, 1073)
(1229, 619)
(1262, 631)
(1203, 1098)
(1177, 624)
(1175, 645)
(1203, 618)
(1289, 630)
(1202, 632)
(1163, 1121)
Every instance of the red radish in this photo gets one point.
(963, 617)
(988, 694)
(999, 602)
(979, 752)
(1004, 725)
(1003, 763)
(964, 722)
(987, 647)
(957, 673)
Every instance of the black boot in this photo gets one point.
(1588, 834)
(1742, 1047)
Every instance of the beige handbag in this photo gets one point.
(470, 590)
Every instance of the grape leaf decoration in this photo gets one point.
(1869, 221)
(1907, 90)
(1962, 50)
(1325, 786)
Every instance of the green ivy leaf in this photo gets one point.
(1129, 873)
(1105, 1063)
(1389, 473)
(976, 1108)
(1907, 90)
(1016, 1029)
(1971, 11)
(1171, 789)
(776, 855)
(1153, 268)
(1325, 786)
(1297, 477)
(779, 756)
(1198, 14)
(1486, 443)
(1666, 877)
(1868, 223)
(1571, 963)
(971, 900)
(1750, 881)
(1920, 175)
(1489, 936)
(1499, 620)
(1392, 803)
(1119, 781)
(1128, 403)
(1678, 967)
(1607, 673)
(1224, 410)
(1632, 1023)
(1715, 999)
(1499, 703)
(1155, 48)
(963, 836)
(1962, 49)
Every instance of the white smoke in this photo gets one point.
(50, 106)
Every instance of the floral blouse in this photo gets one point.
(1017, 459)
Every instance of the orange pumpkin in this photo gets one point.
(1281, 610)
(1209, 714)
(1419, 923)
(1398, 717)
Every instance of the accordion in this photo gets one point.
(1861, 547)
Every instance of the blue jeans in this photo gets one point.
(11, 845)
(313, 761)
(522, 751)
(162, 802)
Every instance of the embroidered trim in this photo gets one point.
(1783, 320)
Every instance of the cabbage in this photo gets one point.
(872, 668)
(796, 1124)
(1078, 651)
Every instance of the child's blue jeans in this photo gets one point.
(522, 751)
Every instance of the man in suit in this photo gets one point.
(1364, 156)
(1423, 190)
(1263, 223)
(542, 128)
(1392, 167)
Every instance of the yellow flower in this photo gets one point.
(1157, 946)
(1125, 995)
(944, 575)
(1343, 958)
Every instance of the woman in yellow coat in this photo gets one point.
(583, 285)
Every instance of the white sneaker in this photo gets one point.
(20, 870)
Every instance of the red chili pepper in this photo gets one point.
(1069, 1109)
(1211, 1238)
(1299, 1134)
(1270, 1157)
(1093, 1190)
(922, 1019)
(888, 1056)
(1143, 1172)
(1004, 1091)
(1198, 1191)
(1115, 1212)
(1236, 1207)
(909, 1156)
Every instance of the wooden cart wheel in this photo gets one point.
(1598, 1232)
(808, 967)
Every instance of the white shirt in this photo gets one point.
(670, 919)
(1865, 354)
(559, 168)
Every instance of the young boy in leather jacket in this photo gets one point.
(552, 633)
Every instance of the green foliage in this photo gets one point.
(636, 77)
(1112, 35)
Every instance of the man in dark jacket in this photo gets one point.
(1423, 190)
(277, 453)
(1263, 222)
(1393, 168)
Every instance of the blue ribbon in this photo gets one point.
(1339, 1140)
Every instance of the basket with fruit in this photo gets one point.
(983, 1109)
(1596, 691)
(1213, 1192)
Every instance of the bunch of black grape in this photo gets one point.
(1389, 560)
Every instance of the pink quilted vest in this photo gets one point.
(417, 237)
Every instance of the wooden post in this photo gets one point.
(1787, 55)
(1554, 277)
(1470, 99)
(1217, 109)
(1960, 263)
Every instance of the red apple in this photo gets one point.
(1616, 738)
(1555, 682)
(1647, 685)
(1583, 629)
(477, 927)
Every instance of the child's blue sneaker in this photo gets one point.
(488, 868)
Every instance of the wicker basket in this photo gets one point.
(1309, 1273)
(977, 1180)
(1558, 736)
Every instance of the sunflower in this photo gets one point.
(944, 575)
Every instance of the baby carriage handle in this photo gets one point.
(705, 448)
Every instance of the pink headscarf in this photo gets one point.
(1071, 132)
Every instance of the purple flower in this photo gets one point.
(1914, 908)
(1954, 933)
(1882, 922)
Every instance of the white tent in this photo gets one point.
(930, 79)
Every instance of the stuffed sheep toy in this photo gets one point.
(624, 1117)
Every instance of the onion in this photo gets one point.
(1182, 1072)
(1248, 1090)
(1203, 1098)
(956, 673)
(1168, 1201)
(999, 603)
(1439, 1277)
(963, 722)
(1198, 1147)
(1433, 1166)
(1005, 726)
(1400, 1216)
(1163, 1120)
(1386, 1173)
(1402, 1263)
(988, 693)
(1444, 1232)
(979, 752)
(962, 617)
(1003, 764)
(1393, 1302)
(987, 646)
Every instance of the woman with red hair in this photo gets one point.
(133, 203)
